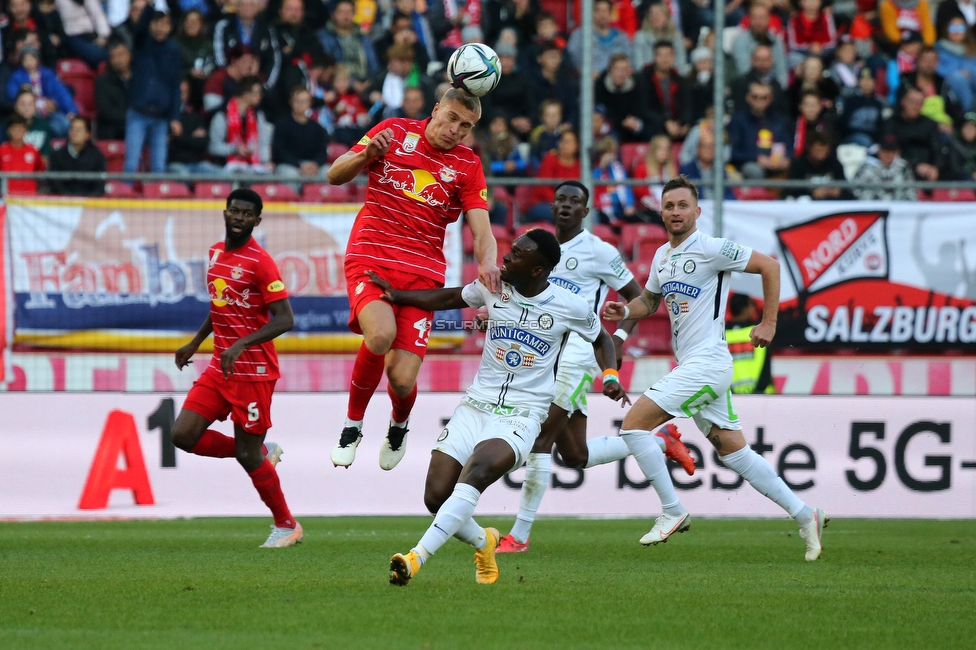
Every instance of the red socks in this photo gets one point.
(216, 445)
(366, 375)
(265, 480)
(402, 405)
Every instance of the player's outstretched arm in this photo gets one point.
(640, 307)
(282, 320)
(485, 249)
(428, 299)
(184, 353)
(763, 333)
(607, 359)
(348, 166)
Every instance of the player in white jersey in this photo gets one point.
(691, 275)
(588, 267)
(494, 427)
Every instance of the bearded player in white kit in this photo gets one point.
(497, 422)
(588, 267)
(691, 275)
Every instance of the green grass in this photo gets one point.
(585, 584)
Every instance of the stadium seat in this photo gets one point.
(953, 195)
(166, 190)
(469, 272)
(501, 195)
(524, 228)
(79, 77)
(360, 193)
(504, 245)
(207, 190)
(114, 152)
(325, 193)
(645, 247)
(755, 194)
(606, 233)
(631, 233)
(275, 192)
(641, 270)
(522, 201)
(335, 150)
(474, 343)
(652, 334)
(120, 190)
(631, 152)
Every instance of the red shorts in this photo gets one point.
(412, 323)
(247, 402)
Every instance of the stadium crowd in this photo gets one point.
(868, 90)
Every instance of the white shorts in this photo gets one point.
(574, 377)
(470, 426)
(699, 391)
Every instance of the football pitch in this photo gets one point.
(203, 583)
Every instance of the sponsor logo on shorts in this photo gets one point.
(443, 436)
(276, 286)
(360, 287)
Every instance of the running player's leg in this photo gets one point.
(725, 434)
(251, 414)
(637, 431)
(204, 404)
(538, 469)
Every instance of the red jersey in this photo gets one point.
(415, 190)
(241, 284)
(24, 158)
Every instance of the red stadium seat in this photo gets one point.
(631, 233)
(206, 190)
(335, 150)
(504, 245)
(501, 232)
(166, 190)
(652, 334)
(522, 200)
(114, 152)
(474, 343)
(606, 233)
(275, 192)
(325, 193)
(120, 190)
(501, 195)
(953, 195)
(77, 75)
(645, 247)
(631, 152)
(641, 270)
(360, 193)
(469, 272)
(524, 228)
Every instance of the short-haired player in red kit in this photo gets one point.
(245, 287)
(421, 178)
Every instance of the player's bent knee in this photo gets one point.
(249, 459)
(380, 340)
(574, 459)
(434, 499)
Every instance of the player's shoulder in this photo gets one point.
(713, 247)
(565, 302)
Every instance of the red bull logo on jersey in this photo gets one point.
(222, 294)
(418, 184)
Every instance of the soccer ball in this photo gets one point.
(475, 68)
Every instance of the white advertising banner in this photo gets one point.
(98, 455)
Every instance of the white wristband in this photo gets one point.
(626, 312)
(622, 335)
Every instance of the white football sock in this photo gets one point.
(471, 533)
(538, 469)
(451, 517)
(760, 474)
(605, 450)
(354, 423)
(643, 445)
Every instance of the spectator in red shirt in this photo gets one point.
(564, 163)
(18, 156)
(811, 32)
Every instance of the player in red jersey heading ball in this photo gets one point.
(421, 178)
(245, 286)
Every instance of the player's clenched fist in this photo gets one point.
(614, 311)
(183, 355)
(379, 144)
(762, 335)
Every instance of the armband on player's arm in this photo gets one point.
(630, 292)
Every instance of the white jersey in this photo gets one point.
(524, 341)
(694, 280)
(588, 267)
